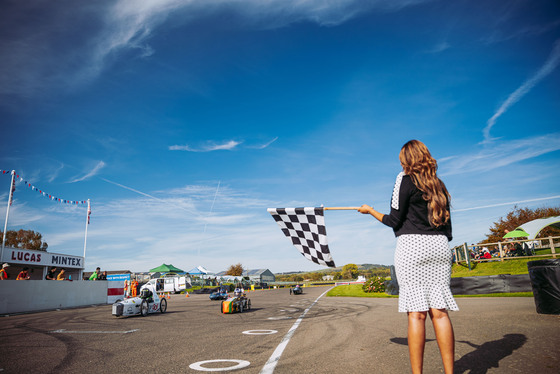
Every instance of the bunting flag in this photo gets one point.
(305, 227)
(43, 193)
(88, 213)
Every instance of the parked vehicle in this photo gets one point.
(174, 284)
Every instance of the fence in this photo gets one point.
(502, 251)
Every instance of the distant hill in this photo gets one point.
(339, 268)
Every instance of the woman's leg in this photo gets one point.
(445, 337)
(416, 340)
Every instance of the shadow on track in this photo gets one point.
(489, 354)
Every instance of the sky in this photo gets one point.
(183, 121)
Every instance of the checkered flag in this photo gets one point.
(306, 229)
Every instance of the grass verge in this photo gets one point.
(490, 268)
(355, 290)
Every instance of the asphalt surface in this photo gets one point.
(336, 335)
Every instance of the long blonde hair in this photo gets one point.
(418, 163)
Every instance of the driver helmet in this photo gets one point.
(145, 293)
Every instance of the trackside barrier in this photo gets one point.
(36, 295)
(115, 291)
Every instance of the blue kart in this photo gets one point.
(219, 295)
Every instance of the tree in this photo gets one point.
(25, 239)
(349, 271)
(235, 270)
(316, 276)
(516, 218)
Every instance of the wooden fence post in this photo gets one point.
(552, 249)
(501, 251)
(467, 255)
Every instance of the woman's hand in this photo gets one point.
(365, 209)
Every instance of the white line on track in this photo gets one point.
(270, 365)
(62, 331)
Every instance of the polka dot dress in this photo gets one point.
(423, 266)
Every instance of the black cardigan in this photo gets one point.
(412, 215)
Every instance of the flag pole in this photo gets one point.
(8, 213)
(87, 224)
(342, 208)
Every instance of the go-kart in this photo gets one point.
(297, 290)
(235, 304)
(147, 302)
(220, 294)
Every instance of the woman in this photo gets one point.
(421, 221)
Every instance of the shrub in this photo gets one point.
(374, 284)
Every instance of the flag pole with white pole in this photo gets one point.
(342, 208)
(8, 212)
(85, 236)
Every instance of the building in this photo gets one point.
(39, 263)
(259, 276)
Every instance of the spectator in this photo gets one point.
(3, 273)
(23, 275)
(518, 249)
(61, 276)
(50, 274)
(103, 276)
(95, 275)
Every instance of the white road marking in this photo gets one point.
(270, 365)
(277, 318)
(260, 332)
(62, 331)
(240, 365)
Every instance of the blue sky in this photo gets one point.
(183, 121)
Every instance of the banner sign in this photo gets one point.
(43, 193)
(40, 258)
(118, 277)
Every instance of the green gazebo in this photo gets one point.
(164, 268)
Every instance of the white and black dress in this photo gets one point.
(422, 258)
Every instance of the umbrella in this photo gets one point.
(164, 268)
(517, 233)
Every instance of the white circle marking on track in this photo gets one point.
(260, 332)
(240, 365)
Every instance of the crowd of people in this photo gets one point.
(24, 274)
(511, 249)
(52, 274)
(98, 275)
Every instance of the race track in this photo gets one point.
(336, 335)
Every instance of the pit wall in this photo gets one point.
(36, 295)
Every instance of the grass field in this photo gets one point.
(355, 290)
(458, 270)
(490, 268)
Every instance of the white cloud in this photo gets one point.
(499, 154)
(211, 146)
(548, 67)
(265, 145)
(100, 165)
(440, 47)
(33, 58)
